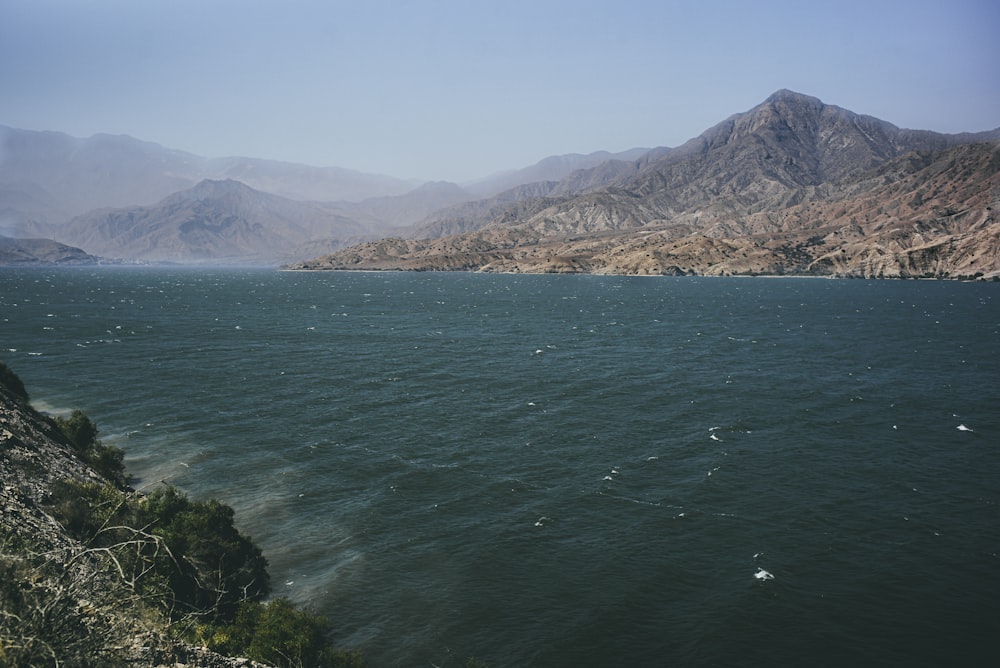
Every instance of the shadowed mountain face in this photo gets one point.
(791, 186)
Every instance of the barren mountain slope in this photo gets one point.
(791, 187)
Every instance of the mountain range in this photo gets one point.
(792, 186)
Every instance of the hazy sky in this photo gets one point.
(459, 89)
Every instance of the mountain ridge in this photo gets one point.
(77, 175)
(214, 221)
(789, 149)
(730, 186)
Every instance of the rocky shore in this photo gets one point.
(63, 601)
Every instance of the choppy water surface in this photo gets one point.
(563, 470)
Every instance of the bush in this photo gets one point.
(13, 384)
(188, 559)
(217, 566)
(280, 634)
(193, 548)
(79, 430)
(81, 433)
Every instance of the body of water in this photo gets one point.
(563, 470)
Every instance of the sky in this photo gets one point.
(461, 89)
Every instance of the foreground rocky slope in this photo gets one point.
(63, 602)
(93, 573)
(793, 186)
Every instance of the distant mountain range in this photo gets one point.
(128, 199)
(51, 177)
(792, 186)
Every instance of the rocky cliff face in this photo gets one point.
(792, 186)
(59, 598)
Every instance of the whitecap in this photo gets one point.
(960, 427)
(714, 437)
(761, 574)
(542, 521)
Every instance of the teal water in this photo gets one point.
(563, 470)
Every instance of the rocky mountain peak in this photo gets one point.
(222, 191)
(790, 97)
(792, 185)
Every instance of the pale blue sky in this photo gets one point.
(459, 89)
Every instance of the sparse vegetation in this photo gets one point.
(278, 633)
(155, 574)
(187, 560)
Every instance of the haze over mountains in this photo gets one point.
(792, 186)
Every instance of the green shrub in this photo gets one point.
(13, 384)
(81, 432)
(84, 509)
(280, 634)
(188, 559)
(217, 566)
(188, 553)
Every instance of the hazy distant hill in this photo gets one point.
(50, 176)
(40, 251)
(215, 221)
(791, 186)
(413, 206)
(553, 168)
